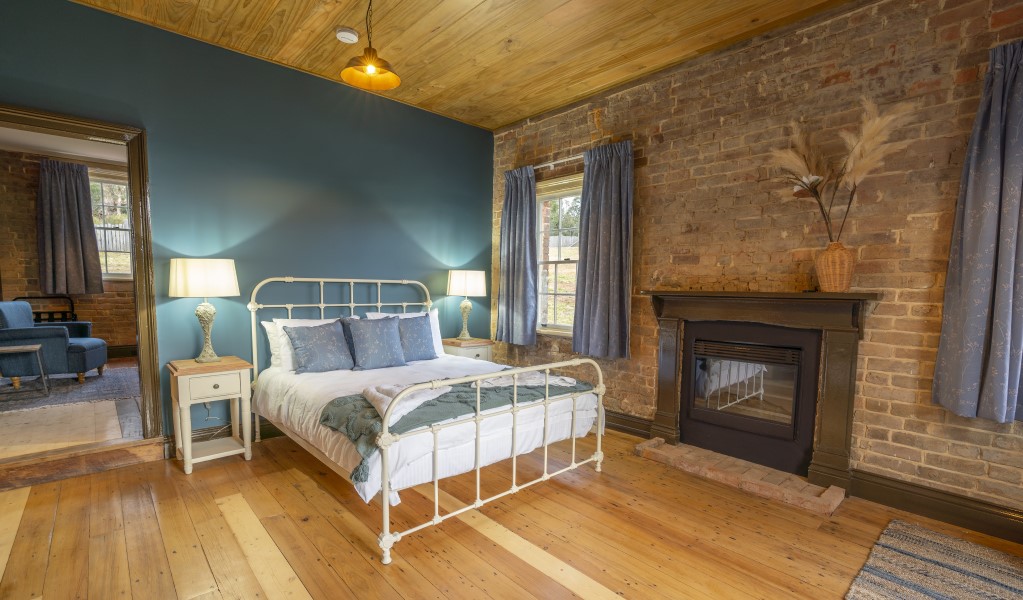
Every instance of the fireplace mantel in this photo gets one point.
(839, 318)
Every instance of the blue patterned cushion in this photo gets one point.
(320, 348)
(376, 343)
(416, 338)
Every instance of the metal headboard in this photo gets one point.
(367, 285)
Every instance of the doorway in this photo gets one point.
(108, 406)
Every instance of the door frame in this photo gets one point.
(134, 139)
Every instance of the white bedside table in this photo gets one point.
(474, 348)
(192, 383)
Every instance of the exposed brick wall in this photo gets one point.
(708, 215)
(112, 313)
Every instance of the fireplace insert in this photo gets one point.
(749, 390)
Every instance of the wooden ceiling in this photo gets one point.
(485, 62)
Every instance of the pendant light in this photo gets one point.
(369, 71)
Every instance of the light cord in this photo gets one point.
(369, 23)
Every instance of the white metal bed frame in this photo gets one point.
(738, 391)
(386, 439)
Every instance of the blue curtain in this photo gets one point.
(68, 253)
(604, 285)
(516, 298)
(980, 354)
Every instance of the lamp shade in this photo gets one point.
(370, 72)
(202, 278)
(467, 283)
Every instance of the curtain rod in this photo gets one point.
(557, 162)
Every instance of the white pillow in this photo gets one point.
(284, 342)
(273, 334)
(438, 345)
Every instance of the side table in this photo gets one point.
(37, 349)
(194, 382)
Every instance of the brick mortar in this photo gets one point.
(708, 216)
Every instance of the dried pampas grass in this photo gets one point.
(804, 165)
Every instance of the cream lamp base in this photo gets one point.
(466, 307)
(205, 313)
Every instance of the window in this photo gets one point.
(112, 218)
(559, 204)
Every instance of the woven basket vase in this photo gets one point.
(835, 265)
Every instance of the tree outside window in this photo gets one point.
(111, 215)
(560, 202)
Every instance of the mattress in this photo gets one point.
(297, 400)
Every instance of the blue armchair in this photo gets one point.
(67, 347)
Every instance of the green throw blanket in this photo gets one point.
(355, 417)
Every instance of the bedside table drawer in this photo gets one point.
(477, 352)
(214, 385)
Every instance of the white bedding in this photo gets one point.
(719, 374)
(296, 402)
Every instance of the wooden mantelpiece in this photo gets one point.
(839, 318)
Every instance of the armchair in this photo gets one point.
(68, 347)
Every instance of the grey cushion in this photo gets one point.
(416, 338)
(320, 348)
(376, 343)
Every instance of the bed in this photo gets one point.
(294, 402)
(729, 382)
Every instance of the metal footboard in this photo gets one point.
(386, 439)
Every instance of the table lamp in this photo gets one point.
(466, 283)
(203, 278)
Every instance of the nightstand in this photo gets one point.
(193, 382)
(474, 348)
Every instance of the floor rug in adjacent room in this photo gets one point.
(909, 561)
(117, 382)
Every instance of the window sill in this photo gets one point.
(119, 277)
(561, 333)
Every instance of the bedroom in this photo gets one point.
(293, 175)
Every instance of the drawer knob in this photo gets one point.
(216, 386)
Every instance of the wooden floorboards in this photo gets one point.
(285, 526)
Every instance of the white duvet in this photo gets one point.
(296, 402)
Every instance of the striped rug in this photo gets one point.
(909, 562)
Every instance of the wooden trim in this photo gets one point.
(126, 351)
(142, 250)
(1000, 521)
(629, 424)
(80, 460)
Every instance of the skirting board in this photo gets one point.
(629, 424)
(985, 517)
(122, 351)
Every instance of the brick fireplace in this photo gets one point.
(804, 344)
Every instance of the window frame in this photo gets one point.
(109, 176)
(547, 192)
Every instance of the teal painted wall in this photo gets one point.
(286, 173)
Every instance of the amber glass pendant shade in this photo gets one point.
(370, 72)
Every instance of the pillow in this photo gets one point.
(376, 344)
(416, 338)
(320, 348)
(284, 343)
(273, 342)
(438, 344)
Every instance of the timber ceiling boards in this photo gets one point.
(485, 62)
